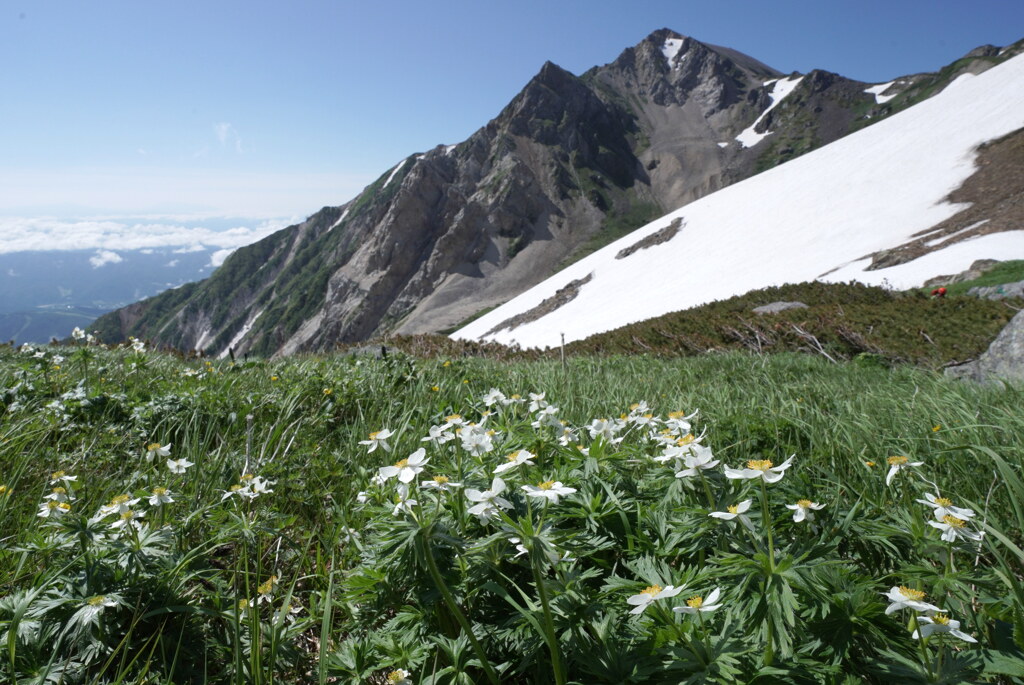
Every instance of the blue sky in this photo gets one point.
(181, 110)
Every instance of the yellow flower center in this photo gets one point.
(440, 480)
(401, 463)
(434, 388)
(266, 587)
(651, 590)
(328, 391)
(246, 477)
(60, 491)
(396, 676)
(57, 475)
(512, 457)
(235, 488)
(374, 434)
(677, 414)
(243, 604)
(158, 491)
(936, 429)
(453, 418)
(685, 440)
(97, 600)
(943, 502)
(64, 506)
(695, 602)
(53, 504)
(734, 508)
(910, 593)
(634, 406)
(894, 461)
(153, 446)
(128, 515)
(869, 463)
(804, 503)
(119, 500)
(546, 485)
(941, 619)
(3, 489)
(953, 521)
(759, 464)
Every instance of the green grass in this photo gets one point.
(380, 591)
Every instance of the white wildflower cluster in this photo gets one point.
(930, 618)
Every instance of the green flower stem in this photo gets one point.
(449, 601)
(925, 661)
(767, 520)
(549, 624)
(707, 490)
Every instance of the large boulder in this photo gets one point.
(1004, 358)
(998, 292)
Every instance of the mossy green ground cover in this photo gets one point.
(291, 552)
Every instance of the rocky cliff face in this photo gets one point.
(569, 165)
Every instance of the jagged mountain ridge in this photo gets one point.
(571, 162)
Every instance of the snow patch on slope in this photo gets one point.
(241, 334)
(827, 210)
(780, 89)
(878, 90)
(670, 49)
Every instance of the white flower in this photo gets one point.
(159, 497)
(137, 345)
(399, 676)
(454, 420)
(953, 527)
(128, 518)
(537, 402)
(259, 486)
(650, 594)
(362, 497)
(515, 459)
(53, 508)
(378, 439)
(440, 483)
(944, 507)
(438, 435)
(118, 505)
(679, 422)
(493, 396)
(549, 489)
(940, 623)
(179, 465)
(761, 468)
(62, 477)
(476, 440)
(802, 510)
(548, 416)
(736, 511)
(698, 604)
(699, 459)
(488, 501)
(406, 469)
(903, 597)
(77, 333)
(155, 449)
(404, 503)
(604, 428)
(60, 494)
(896, 464)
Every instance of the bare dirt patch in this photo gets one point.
(561, 297)
(996, 196)
(657, 238)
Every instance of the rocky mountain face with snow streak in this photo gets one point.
(570, 164)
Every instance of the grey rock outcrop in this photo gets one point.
(1004, 358)
(776, 307)
(998, 292)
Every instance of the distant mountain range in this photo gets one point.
(570, 165)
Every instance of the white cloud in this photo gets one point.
(23, 234)
(173, 263)
(218, 257)
(227, 135)
(12, 273)
(104, 257)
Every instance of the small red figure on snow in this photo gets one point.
(939, 292)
